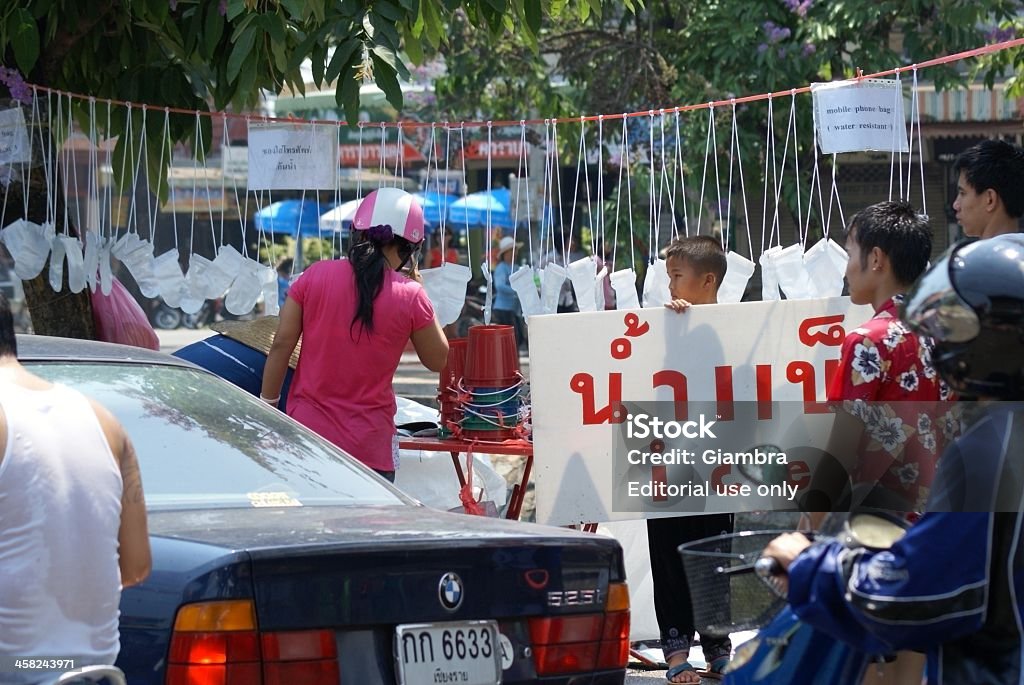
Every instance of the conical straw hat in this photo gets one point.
(257, 334)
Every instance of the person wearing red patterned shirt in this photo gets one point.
(886, 379)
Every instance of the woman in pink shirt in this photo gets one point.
(355, 317)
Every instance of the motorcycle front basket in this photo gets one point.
(727, 595)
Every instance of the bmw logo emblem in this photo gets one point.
(449, 591)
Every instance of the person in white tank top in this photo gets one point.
(72, 519)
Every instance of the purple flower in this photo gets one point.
(762, 48)
(774, 32)
(798, 7)
(998, 35)
(809, 49)
(20, 90)
(222, 7)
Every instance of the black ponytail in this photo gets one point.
(369, 264)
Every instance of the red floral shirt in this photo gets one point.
(886, 379)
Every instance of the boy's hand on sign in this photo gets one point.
(679, 305)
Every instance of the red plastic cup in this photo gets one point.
(492, 359)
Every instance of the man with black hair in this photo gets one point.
(990, 189)
(73, 518)
(953, 586)
(885, 371)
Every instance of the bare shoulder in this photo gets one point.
(112, 428)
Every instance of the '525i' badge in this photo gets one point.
(572, 598)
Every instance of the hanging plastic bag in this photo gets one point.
(76, 263)
(522, 281)
(120, 319)
(551, 287)
(822, 270)
(57, 263)
(245, 290)
(769, 276)
(737, 275)
(656, 290)
(167, 270)
(106, 270)
(446, 288)
(271, 301)
(599, 296)
(29, 245)
(137, 256)
(223, 271)
(91, 261)
(583, 274)
(793, 277)
(485, 269)
(624, 285)
(197, 284)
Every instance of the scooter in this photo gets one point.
(788, 651)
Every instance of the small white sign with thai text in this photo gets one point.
(292, 156)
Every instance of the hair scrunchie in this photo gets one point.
(381, 233)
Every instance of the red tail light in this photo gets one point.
(216, 643)
(583, 642)
(305, 657)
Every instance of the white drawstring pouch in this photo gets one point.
(456, 278)
(245, 290)
(137, 256)
(769, 276)
(485, 269)
(822, 270)
(551, 287)
(793, 277)
(57, 263)
(599, 301)
(656, 290)
(624, 285)
(271, 303)
(76, 263)
(583, 274)
(523, 283)
(170, 280)
(29, 245)
(433, 283)
(197, 284)
(223, 270)
(737, 275)
(106, 270)
(92, 261)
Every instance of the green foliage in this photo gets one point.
(221, 54)
(313, 250)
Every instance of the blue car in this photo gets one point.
(280, 559)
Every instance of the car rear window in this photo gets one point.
(204, 443)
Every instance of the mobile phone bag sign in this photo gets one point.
(292, 156)
(859, 116)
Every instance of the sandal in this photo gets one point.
(679, 669)
(716, 668)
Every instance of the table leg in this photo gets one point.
(458, 469)
(515, 506)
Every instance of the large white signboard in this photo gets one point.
(856, 116)
(292, 156)
(759, 366)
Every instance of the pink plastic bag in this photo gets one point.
(120, 319)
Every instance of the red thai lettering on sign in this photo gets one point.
(832, 337)
(613, 412)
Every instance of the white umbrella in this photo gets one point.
(339, 218)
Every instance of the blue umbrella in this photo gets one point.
(435, 205)
(289, 216)
(472, 209)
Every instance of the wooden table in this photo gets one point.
(520, 448)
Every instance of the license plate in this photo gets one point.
(461, 652)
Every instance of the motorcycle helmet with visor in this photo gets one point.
(971, 304)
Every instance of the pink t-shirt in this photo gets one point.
(342, 384)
